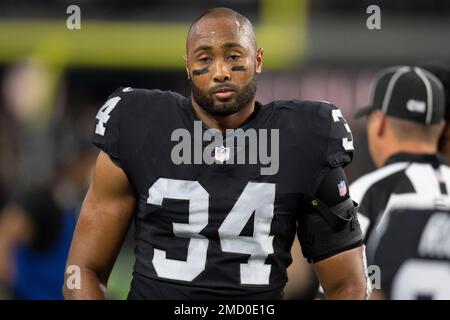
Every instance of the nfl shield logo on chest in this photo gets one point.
(222, 154)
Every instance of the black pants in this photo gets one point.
(144, 288)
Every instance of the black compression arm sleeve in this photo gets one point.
(318, 237)
(334, 187)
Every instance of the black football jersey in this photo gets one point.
(223, 229)
(409, 249)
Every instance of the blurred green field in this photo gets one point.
(120, 279)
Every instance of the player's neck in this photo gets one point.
(228, 122)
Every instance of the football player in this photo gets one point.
(220, 229)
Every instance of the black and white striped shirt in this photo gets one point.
(402, 173)
(405, 214)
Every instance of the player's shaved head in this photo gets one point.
(212, 19)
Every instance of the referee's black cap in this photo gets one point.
(409, 93)
(442, 71)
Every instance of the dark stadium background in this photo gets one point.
(53, 79)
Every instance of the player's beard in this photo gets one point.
(241, 98)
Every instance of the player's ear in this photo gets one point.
(186, 66)
(259, 60)
(188, 73)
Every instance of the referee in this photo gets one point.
(442, 72)
(404, 205)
